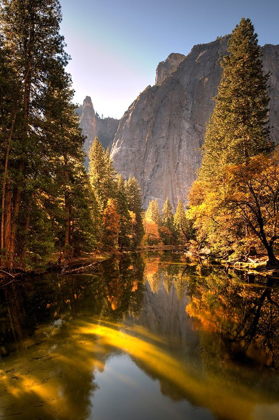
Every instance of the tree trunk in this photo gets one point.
(67, 227)
(272, 260)
(67, 243)
(4, 184)
(12, 213)
(7, 225)
(14, 226)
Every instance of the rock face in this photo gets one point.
(165, 68)
(158, 140)
(271, 64)
(93, 126)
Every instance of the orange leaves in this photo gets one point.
(151, 235)
(240, 207)
(111, 225)
(165, 231)
(256, 181)
(111, 218)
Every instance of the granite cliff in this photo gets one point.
(158, 140)
(93, 126)
(165, 68)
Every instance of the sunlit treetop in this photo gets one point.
(238, 128)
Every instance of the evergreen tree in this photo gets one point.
(44, 186)
(134, 200)
(237, 133)
(125, 196)
(35, 49)
(238, 128)
(102, 174)
(167, 215)
(180, 222)
(125, 221)
(153, 213)
(9, 93)
(64, 166)
(167, 230)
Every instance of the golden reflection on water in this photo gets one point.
(49, 381)
(54, 376)
(44, 385)
(239, 404)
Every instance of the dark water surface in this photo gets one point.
(147, 338)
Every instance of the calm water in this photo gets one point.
(147, 338)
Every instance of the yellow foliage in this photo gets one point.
(241, 208)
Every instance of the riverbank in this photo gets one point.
(79, 264)
(256, 265)
(87, 261)
(76, 264)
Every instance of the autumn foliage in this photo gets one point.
(111, 226)
(234, 201)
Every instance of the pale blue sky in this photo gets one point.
(116, 45)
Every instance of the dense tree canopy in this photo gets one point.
(233, 202)
(238, 128)
(48, 202)
(34, 136)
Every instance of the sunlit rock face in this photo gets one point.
(93, 126)
(158, 140)
(88, 123)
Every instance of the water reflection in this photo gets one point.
(86, 346)
(246, 316)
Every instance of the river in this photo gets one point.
(149, 337)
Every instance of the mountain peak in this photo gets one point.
(88, 101)
(165, 68)
(159, 138)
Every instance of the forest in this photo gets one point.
(112, 306)
(53, 210)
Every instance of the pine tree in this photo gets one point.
(167, 230)
(153, 213)
(133, 194)
(102, 174)
(237, 135)
(64, 166)
(125, 222)
(35, 49)
(180, 222)
(238, 128)
(9, 93)
(44, 187)
(167, 215)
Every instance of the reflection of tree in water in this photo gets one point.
(53, 377)
(72, 340)
(170, 257)
(245, 316)
(162, 267)
(122, 285)
(14, 314)
(51, 366)
(112, 291)
(27, 304)
(56, 363)
(151, 271)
